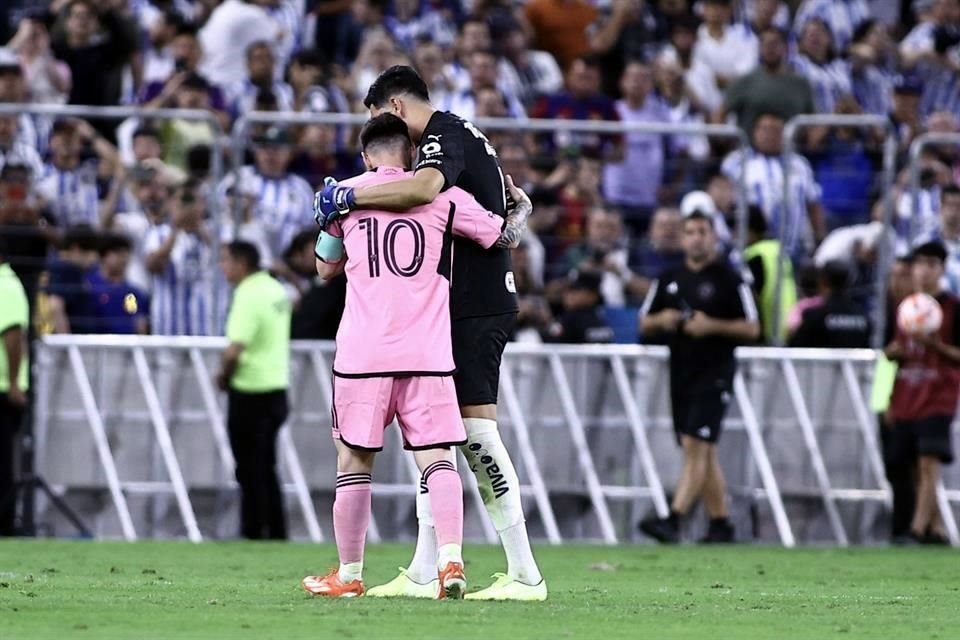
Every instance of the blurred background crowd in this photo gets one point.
(112, 224)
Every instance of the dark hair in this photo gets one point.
(590, 60)
(199, 158)
(395, 81)
(725, 3)
(768, 114)
(310, 58)
(685, 22)
(385, 129)
(258, 44)
(949, 190)
(699, 215)
(301, 240)
(245, 252)
(173, 18)
(863, 29)
(3, 249)
(81, 236)
(835, 274)
(63, 128)
(145, 130)
(113, 242)
(780, 33)
(933, 249)
(188, 29)
(757, 220)
(196, 82)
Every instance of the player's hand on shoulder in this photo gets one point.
(332, 202)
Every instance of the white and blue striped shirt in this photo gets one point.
(71, 194)
(182, 295)
(829, 82)
(290, 18)
(842, 16)
(764, 178)
(941, 92)
(284, 206)
(873, 90)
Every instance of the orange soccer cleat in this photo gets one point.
(453, 584)
(332, 586)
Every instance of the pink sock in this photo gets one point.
(351, 515)
(446, 501)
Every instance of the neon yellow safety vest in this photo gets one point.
(768, 252)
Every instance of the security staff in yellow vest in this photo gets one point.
(761, 256)
(14, 379)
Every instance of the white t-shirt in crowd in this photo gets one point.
(232, 27)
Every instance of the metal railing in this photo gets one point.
(917, 147)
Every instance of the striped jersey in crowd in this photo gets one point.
(289, 15)
(283, 205)
(829, 82)
(182, 295)
(242, 97)
(873, 89)
(71, 194)
(842, 16)
(764, 178)
(23, 154)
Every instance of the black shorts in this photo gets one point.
(699, 405)
(478, 345)
(929, 437)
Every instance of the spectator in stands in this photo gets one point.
(97, 42)
(69, 181)
(873, 60)
(683, 104)
(47, 79)
(827, 73)
(728, 50)
(255, 373)
(925, 395)
(317, 313)
(842, 18)
(25, 224)
(16, 151)
(722, 192)
(948, 234)
(146, 145)
(377, 54)
(226, 37)
(905, 109)
(187, 56)
(14, 380)
(916, 220)
(838, 322)
(637, 192)
(158, 60)
(534, 315)
(288, 16)
(318, 155)
(581, 319)
(802, 214)
(429, 63)
(582, 100)
(700, 84)
(703, 310)
(69, 303)
(932, 49)
(363, 21)
(13, 89)
(537, 71)
(309, 77)
(579, 178)
(180, 257)
(260, 77)
(771, 88)
(151, 184)
(117, 306)
(483, 77)
(560, 27)
(411, 20)
(660, 249)
(604, 252)
(763, 14)
(761, 255)
(179, 135)
(280, 201)
(632, 31)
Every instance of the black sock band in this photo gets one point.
(350, 479)
(439, 465)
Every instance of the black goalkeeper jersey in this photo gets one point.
(483, 282)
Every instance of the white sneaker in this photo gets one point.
(507, 588)
(403, 586)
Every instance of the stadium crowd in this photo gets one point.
(112, 225)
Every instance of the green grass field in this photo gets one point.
(244, 590)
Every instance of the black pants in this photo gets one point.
(253, 420)
(10, 418)
(900, 475)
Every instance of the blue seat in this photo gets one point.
(624, 322)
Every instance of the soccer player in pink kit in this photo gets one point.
(398, 302)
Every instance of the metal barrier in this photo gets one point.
(590, 425)
(884, 257)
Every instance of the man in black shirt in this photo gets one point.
(838, 322)
(703, 309)
(453, 152)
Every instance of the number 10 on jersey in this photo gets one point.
(397, 230)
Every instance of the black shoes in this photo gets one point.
(663, 530)
(720, 531)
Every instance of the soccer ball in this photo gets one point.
(919, 314)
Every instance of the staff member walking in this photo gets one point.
(14, 316)
(704, 310)
(255, 372)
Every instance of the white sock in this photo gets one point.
(500, 489)
(423, 565)
(449, 553)
(350, 571)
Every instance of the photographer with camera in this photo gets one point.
(703, 310)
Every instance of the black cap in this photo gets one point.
(931, 249)
(272, 136)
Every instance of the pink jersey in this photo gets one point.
(397, 315)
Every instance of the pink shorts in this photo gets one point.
(425, 407)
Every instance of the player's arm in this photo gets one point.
(487, 229)
(329, 254)
(745, 328)
(655, 316)
(400, 195)
(228, 363)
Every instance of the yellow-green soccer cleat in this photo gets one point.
(404, 587)
(506, 588)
